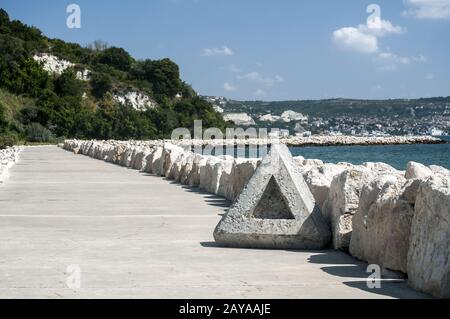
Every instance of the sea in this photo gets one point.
(395, 155)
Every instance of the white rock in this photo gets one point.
(417, 171)
(290, 115)
(222, 171)
(299, 160)
(312, 162)
(217, 108)
(207, 180)
(54, 65)
(439, 170)
(126, 157)
(382, 223)
(198, 163)
(186, 167)
(178, 166)
(319, 180)
(269, 118)
(242, 171)
(139, 159)
(342, 203)
(156, 161)
(169, 156)
(380, 167)
(239, 118)
(148, 168)
(8, 158)
(137, 100)
(429, 252)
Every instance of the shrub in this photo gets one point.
(67, 84)
(38, 133)
(8, 139)
(3, 118)
(101, 83)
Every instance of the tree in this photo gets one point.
(116, 57)
(98, 45)
(4, 21)
(100, 83)
(24, 76)
(67, 84)
(163, 75)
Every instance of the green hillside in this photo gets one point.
(38, 106)
(346, 107)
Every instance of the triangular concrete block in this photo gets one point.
(275, 210)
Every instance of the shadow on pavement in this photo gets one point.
(343, 265)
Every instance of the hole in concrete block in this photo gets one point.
(272, 204)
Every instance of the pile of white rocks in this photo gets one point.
(399, 220)
(221, 175)
(325, 140)
(8, 157)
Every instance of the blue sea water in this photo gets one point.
(395, 155)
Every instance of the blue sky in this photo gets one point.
(268, 49)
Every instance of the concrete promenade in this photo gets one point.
(133, 235)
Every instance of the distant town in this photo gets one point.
(340, 116)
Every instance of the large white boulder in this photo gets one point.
(239, 118)
(178, 166)
(221, 167)
(319, 178)
(186, 167)
(429, 252)
(439, 170)
(156, 161)
(207, 180)
(342, 203)
(380, 167)
(139, 160)
(225, 180)
(170, 155)
(198, 163)
(417, 171)
(148, 167)
(382, 223)
(119, 151)
(242, 170)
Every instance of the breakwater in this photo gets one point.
(397, 219)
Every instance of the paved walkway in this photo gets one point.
(140, 236)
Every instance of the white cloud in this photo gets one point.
(364, 37)
(223, 51)
(229, 87)
(391, 61)
(428, 9)
(355, 40)
(380, 28)
(259, 78)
